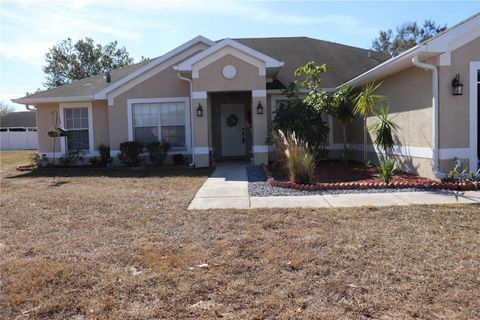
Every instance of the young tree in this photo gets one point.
(5, 108)
(337, 104)
(343, 104)
(367, 102)
(384, 130)
(306, 121)
(68, 61)
(408, 35)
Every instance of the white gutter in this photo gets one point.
(192, 125)
(383, 67)
(435, 143)
(34, 101)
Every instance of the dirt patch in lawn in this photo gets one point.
(112, 245)
(332, 171)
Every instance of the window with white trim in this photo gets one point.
(160, 121)
(277, 104)
(76, 123)
(284, 102)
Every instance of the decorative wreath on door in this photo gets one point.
(232, 120)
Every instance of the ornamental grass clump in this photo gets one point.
(296, 157)
(387, 169)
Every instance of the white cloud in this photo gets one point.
(30, 51)
(30, 27)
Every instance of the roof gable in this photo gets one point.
(270, 62)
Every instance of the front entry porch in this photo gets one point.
(230, 126)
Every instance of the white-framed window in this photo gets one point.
(276, 104)
(160, 121)
(77, 124)
(278, 101)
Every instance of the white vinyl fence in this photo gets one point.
(18, 139)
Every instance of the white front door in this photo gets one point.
(232, 128)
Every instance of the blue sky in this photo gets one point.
(152, 27)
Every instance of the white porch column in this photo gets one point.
(259, 125)
(200, 130)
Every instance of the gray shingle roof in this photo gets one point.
(344, 63)
(22, 119)
(88, 86)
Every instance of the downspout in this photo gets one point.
(192, 135)
(435, 140)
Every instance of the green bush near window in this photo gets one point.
(129, 153)
(158, 152)
(70, 159)
(178, 159)
(104, 158)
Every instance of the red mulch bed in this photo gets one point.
(336, 171)
(335, 174)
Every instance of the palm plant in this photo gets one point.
(365, 103)
(384, 130)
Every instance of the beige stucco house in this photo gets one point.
(215, 99)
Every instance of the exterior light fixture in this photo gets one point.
(259, 108)
(457, 86)
(199, 111)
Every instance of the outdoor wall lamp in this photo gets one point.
(259, 108)
(199, 111)
(457, 86)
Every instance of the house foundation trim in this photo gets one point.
(473, 154)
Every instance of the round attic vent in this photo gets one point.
(229, 71)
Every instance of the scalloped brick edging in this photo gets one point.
(319, 186)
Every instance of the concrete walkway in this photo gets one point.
(227, 188)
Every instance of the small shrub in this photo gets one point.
(70, 159)
(474, 176)
(455, 175)
(386, 170)
(178, 159)
(129, 153)
(41, 160)
(158, 152)
(296, 157)
(104, 152)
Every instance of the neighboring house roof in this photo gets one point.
(344, 62)
(89, 86)
(439, 45)
(22, 119)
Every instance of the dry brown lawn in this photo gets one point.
(103, 244)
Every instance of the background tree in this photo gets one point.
(367, 102)
(68, 61)
(408, 35)
(5, 108)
